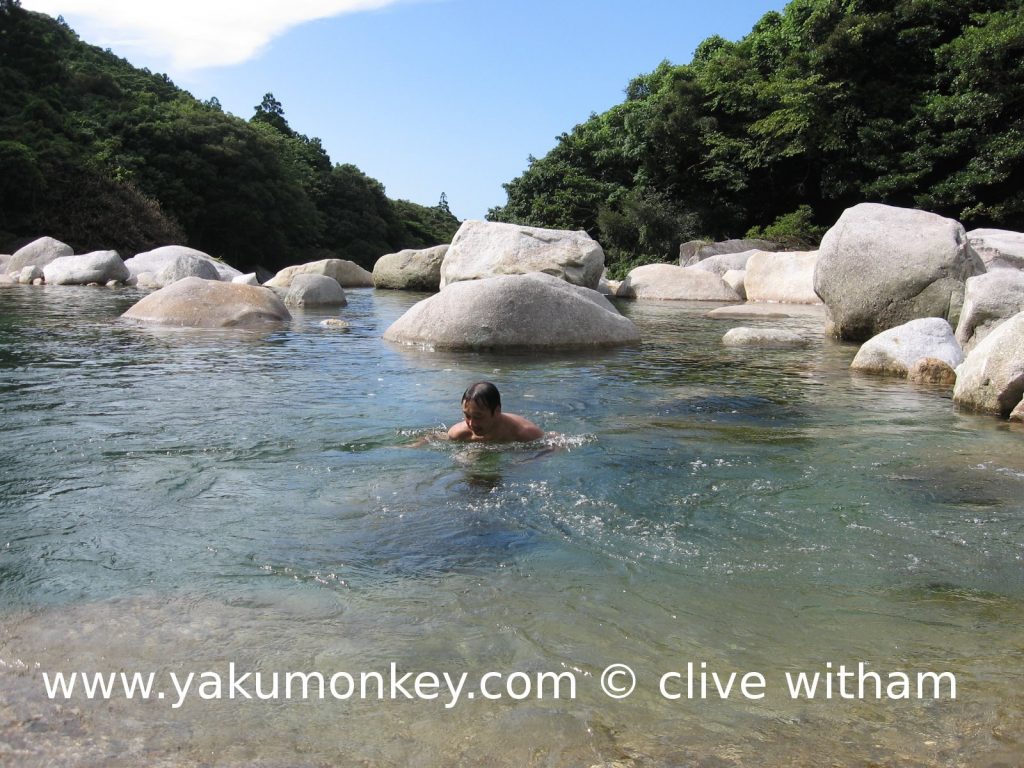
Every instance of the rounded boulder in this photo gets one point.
(532, 311)
(197, 303)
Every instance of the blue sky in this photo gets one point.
(427, 96)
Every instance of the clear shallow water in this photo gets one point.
(180, 499)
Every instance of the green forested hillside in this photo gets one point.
(103, 155)
(830, 103)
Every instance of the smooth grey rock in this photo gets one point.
(156, 260)
(6, 279)
(39, 252)
(5, 259)
(348, 274)
(696, 251)
(30, 273)
(894, 352)
(185, 265)
(723, 262)
(998, 248)
(989, 299)
(486, 249)
(199, 303)
(784, 277)
(534, 311)
(410, 270)
(95, 267)
(880, 267)
(991, 379)
(247, 279)
(673, 283)
(763, 337)
(309, 290)
(736, 279)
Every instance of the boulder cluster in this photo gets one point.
(925, 299)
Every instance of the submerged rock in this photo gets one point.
(763, 337)
(895, 351)
(198, 303)
(880, 267)
(482, 249)
(410, 270)
(668, 282)
(991, 379)
(513, 311)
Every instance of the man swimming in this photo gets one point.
(484, 421)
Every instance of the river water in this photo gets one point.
(180, 501)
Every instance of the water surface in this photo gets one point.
(177, 500)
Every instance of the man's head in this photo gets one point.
(483, 393)
(481, 407)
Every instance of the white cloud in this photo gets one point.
(196, 34)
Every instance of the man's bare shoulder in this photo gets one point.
(460, 431)
(524, 429)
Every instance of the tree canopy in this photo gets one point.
(824, 105)
(101, 154)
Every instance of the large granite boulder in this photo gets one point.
(199, 303)
(723, 262)
(38, 253)
(5, 259)
(989, 299)
(96, 267)
(177, 260)
(784, 277)
(310, 290)
(895, 351)
(670, 282)
(410, 270)
(485, 249)
(696, 251)
(536, 310)
(998, 248)
(991, 379)
(880, 267)
(348, 274)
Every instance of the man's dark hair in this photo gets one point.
(483, 393)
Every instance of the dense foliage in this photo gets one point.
(830, 103)
(103, 155)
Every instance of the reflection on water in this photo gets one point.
(179, 501)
